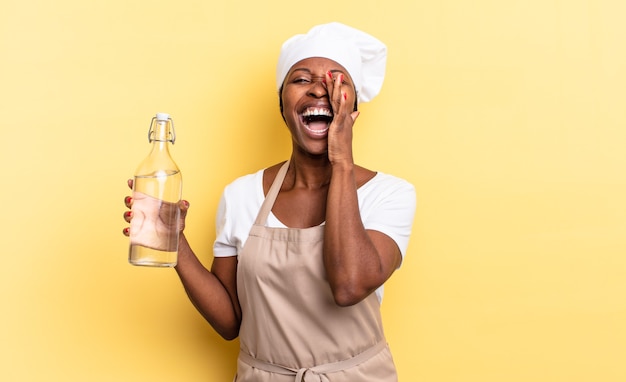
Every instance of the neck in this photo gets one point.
(309, 172)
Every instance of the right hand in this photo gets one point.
(165, 211)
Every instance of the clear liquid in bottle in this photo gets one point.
(155, 224)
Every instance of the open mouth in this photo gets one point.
(317, 120)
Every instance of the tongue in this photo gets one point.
(318, 125)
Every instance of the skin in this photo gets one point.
(320, 186)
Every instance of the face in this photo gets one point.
(306, 105)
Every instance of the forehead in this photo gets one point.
(318, 64)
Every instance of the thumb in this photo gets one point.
(355, 115)
(184, 207)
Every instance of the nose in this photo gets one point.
(318, 87)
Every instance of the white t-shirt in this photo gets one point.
(386, 203)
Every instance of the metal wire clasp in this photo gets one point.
(171, 131)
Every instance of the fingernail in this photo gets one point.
(127, 214)
(341, 78)
(330, 74)
(126, 231)
(345, 96)
(127, 199)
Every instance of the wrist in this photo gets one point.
(343, 170)
(345, 167)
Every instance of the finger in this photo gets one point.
(128, 201)
(340, 95)
(130, 183)
(126, 231)
(337, 94)
(329, 82)
(184, 207)
(331, 88)
(128, 215)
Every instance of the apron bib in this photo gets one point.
(291, 328)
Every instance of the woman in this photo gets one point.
(304, 247)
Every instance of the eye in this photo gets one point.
(301, 80)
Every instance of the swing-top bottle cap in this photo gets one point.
(162, 116)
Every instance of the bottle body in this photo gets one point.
(157, 189)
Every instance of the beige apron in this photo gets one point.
(291, 328)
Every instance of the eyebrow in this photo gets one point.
(309, 70)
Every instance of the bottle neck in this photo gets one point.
(159, 161)
(161, 134)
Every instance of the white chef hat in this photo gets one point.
(363, 56)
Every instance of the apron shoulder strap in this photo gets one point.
(268, 203)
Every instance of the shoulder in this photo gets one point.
(242, 197)
(387, 184)
(385, 192)
(245, 184)
(252, 185)
(268, 175)
(236, 211)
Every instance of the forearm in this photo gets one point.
(207, 293)
(353, 265)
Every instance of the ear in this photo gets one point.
(280, 102)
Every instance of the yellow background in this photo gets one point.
(509, 117)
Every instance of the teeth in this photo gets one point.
(317, 132)
(317, 111)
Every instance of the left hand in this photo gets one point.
(342, 99)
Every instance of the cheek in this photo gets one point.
(287, 103)
(288, 113)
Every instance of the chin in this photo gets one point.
(313, 151)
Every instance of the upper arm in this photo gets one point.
(388, 252)
(225, 269)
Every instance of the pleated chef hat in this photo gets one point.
(363, 56)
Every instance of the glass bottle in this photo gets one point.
(157, 189)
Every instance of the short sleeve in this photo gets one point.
(236, 211)
(388, 206)
(224, 245)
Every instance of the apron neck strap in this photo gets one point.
(268, 203)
